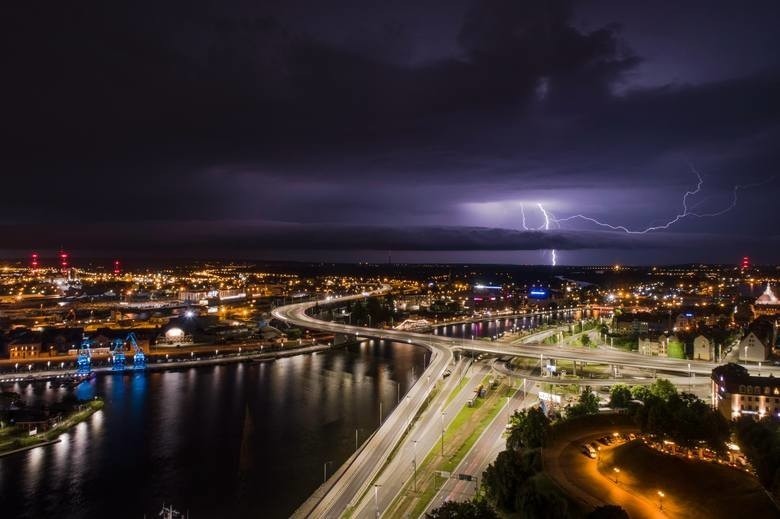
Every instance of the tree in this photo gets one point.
(464, 510)
(607, 512)
(640, 393)
(619, 396)
(585, 340)
(506, 476)
(663, 389)
(587, 404)
(529, 428)
(761, 443)
(534, 502)
(359, 313)
(684, 418)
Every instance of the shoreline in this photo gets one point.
(52, 436)
(174, 364)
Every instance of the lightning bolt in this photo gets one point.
(686, 210)
(546, 227)
(551, 221)
(684, 214)
(522, 214)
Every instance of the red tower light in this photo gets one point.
(34, 261)
(745, 263)
(63, 260)
(117, 268)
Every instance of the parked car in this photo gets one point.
(589, 451)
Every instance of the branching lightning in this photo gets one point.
(686, 212)
(551, 221)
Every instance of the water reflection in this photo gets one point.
(221, 441)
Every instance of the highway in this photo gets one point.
(425, 437)
(482, 453)
(354, 481)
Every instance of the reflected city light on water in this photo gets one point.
(253, 434)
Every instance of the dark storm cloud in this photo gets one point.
(387, 114)
(106, 79)
(211, 238)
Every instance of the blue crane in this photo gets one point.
(139, 359)
(84, 358)
(118, 351)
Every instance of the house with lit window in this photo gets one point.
(737, 393)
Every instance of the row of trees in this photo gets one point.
(681, 417)
(514, 482)
(373, 311)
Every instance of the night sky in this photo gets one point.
(350, 130)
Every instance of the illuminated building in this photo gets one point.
(767, 303)
(703, 348)
(736, 393)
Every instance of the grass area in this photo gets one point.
(461, 435)
(623, 342)
(693, 488)
(457, 389)
(675, 350)
(17, 439)
(584, 370)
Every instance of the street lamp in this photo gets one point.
(376, 499)
(661, 496)
(617, 472)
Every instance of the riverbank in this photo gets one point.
(160, 363)
(12, 442)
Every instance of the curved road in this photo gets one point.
(353, 480)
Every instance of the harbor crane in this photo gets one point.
(84, 357)
(118, 351)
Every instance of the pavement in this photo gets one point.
(579, 478)
(423, 438)
(483, 453)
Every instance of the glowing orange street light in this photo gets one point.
(617, 472)
(661, 496)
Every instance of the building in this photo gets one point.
(736, 393)
(654, 346)
(25, 346)
(752, 348)
(768, 297)
(703, 348)
(757, 343)
(204, 296)
(767, 303)
(641, 323)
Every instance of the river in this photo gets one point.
(237, 440)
